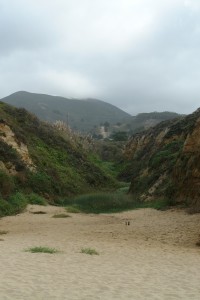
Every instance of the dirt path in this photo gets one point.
(153, 258)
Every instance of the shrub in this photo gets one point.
(18, 202)
(40, 182)
(14, 205)
(36, 199)
(5, 208)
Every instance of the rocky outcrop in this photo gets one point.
(8, 136)
(165, 161)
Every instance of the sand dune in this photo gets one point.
(153, 258)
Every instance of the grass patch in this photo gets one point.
(3, 232)
(61, 216)
(89, 251)
(42, 250)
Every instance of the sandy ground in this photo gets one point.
(153, 258)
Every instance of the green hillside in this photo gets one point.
(37, 158)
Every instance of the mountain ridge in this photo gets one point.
(82, 115)
(86, 115)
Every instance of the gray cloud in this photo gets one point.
(139, 55)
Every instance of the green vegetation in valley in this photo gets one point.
(101, 203)
(112, 203)
(108, 155)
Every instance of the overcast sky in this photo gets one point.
(140, 55)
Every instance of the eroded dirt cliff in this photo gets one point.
(164, 161)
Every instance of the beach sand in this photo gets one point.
(153, 258)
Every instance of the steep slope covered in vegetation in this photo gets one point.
(163, 162)
(36, 157)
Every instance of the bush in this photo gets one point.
(36, 199)
(18, 203)
(5, 208)
(14, 205)
(40, 182)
